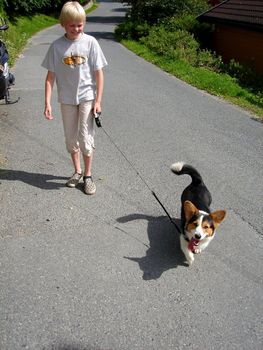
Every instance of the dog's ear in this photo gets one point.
(218, 216)
(190, 210)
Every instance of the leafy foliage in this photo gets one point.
(176, 45)
(155, 11)
(26, 7)
(19, 32)
(245, 76)
(132, 30)
(29, 7)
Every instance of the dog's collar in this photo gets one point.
(186, 238)
(202, 212)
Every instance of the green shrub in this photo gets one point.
(29, 7)
(155, 11)
(131, 30)
(1, 7)
(210, 60)
(174, 14)
(245, 75)
(22, 7)
(174, 45)
(185, 22)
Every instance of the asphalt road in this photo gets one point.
(105, 272)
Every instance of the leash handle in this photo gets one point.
(97, 119)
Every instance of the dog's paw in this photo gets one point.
(190, 261)
(197, 251)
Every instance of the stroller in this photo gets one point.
(6, 78)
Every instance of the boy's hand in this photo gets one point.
(97, 108)
(48, 113)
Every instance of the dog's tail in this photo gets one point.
(181, 168)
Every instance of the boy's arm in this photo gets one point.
(99, 84)
(50, 78)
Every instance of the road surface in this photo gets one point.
(105, 272)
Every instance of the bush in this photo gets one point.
(29, 7)
(245, 76)
(132, 30)
(174, 41)
(185, 22)
(174, 14)
(210, 60)
(155, 11)
(1, 7)
(21, 7)
(178, 45)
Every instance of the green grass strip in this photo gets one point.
(21, 29)
(221, 85)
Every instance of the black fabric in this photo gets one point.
(4, 56)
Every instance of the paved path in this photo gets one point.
(106, 272)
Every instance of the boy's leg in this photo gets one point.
(70, 123)
(87, 164)
(76, 162)
(86, 134)
(86, 142)
(89, 185)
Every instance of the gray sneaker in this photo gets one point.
(89, 185)
(74, 180)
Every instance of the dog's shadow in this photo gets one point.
(164, 251)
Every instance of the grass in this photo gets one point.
(221, 85)
(21, 29)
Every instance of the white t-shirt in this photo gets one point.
(74, 63)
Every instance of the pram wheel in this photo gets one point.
(7, 98)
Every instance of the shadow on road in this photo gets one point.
(105, 20)
(112, 20)
(102, 35)
(164, 251)
(120, 9)
(106, 35)
(74, 347)
(43, 181)
(109, 1)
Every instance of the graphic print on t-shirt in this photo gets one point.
(74, 60)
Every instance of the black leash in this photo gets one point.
(98, 122)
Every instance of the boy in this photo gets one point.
(75, 61)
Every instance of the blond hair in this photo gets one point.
(72, 11)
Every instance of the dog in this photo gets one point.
(198, 223)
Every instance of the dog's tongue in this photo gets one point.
(192, 244)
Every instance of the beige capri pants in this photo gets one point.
(78, 123)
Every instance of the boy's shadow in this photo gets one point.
(164, 251)
(43, 181)
(73, 346)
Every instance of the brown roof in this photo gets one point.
(248, 13)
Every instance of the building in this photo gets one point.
(238, 31)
